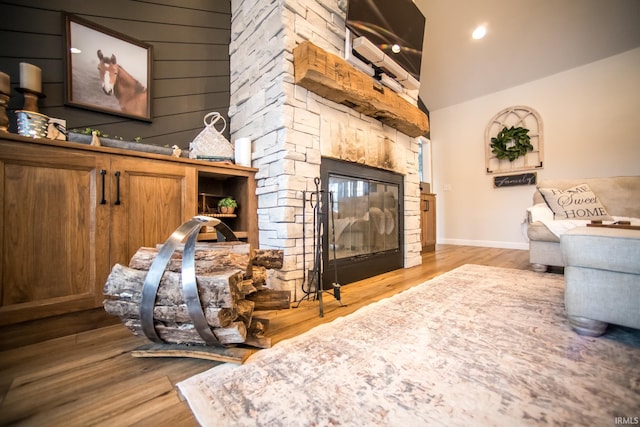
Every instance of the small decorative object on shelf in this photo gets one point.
(32, 124)
(95, 140)
(243, 152)
(210, 144)
(30, 86)
(227, 205)
(85, 136)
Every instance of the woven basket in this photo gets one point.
(31, 124)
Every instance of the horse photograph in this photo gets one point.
(106, 72)
(116, 81)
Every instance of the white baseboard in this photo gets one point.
(485, 243)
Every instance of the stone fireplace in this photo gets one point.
(293, 130)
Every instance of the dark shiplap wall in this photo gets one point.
(190, 70)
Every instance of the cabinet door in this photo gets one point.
(54, 231)
(149, 200)
(428, 222)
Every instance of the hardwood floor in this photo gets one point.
(90, 378)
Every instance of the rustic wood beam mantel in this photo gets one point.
(333, 78)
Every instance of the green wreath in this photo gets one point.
(511, 143)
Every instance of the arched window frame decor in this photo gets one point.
(517, 116)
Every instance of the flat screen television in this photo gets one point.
(386, 23)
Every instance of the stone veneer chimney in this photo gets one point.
(292, 128)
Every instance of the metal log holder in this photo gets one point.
(312, 278)
(188, 230)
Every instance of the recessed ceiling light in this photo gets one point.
(479, 32)
(395, 48)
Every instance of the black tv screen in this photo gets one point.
(389, 22)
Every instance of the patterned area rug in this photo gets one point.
(478, 346)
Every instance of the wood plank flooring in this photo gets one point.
(90, 378)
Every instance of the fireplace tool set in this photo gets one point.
(312, 278)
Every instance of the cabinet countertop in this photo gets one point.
(79, 146)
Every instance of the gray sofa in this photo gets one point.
(620, 196)
(602, 278)
(601, 265)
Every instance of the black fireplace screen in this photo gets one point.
(363, 231)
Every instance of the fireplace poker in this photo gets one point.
(318, 247)
(304, 247)
(306, 282)
(335, 284)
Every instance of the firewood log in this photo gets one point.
(246, 287)
(259, 276)
(216, 317)
(255, 333)
(186, 333)
(207, 262)
(245, 311)
(220, 290)
(270, 299)
(268, 258)
(237, 247)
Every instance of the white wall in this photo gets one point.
(591, 117)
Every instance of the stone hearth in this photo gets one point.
(293, 128)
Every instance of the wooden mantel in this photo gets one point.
(333, 78)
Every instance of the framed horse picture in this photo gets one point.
(106, 70)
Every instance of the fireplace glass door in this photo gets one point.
(364, 217)
(363, 227)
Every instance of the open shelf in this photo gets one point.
(219, 181)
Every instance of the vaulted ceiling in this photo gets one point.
(526, 40)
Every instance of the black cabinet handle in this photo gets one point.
(426, 206)
(103, 201)
(117, 202)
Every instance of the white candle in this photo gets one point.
(243, 152)
(5, 83)
(30, 77)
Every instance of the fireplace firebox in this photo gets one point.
(363, 226)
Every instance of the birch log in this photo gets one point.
(207, 261)
(186, 333)
(220, 290)
(216, 317)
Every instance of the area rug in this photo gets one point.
(478, 345)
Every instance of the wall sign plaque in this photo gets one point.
(513, 180)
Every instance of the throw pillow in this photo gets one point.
(577, 202)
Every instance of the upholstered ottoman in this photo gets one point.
(602, 275)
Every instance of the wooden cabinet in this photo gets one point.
(428, 222)
(69, 214)
(149, 200)
(55, 235)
